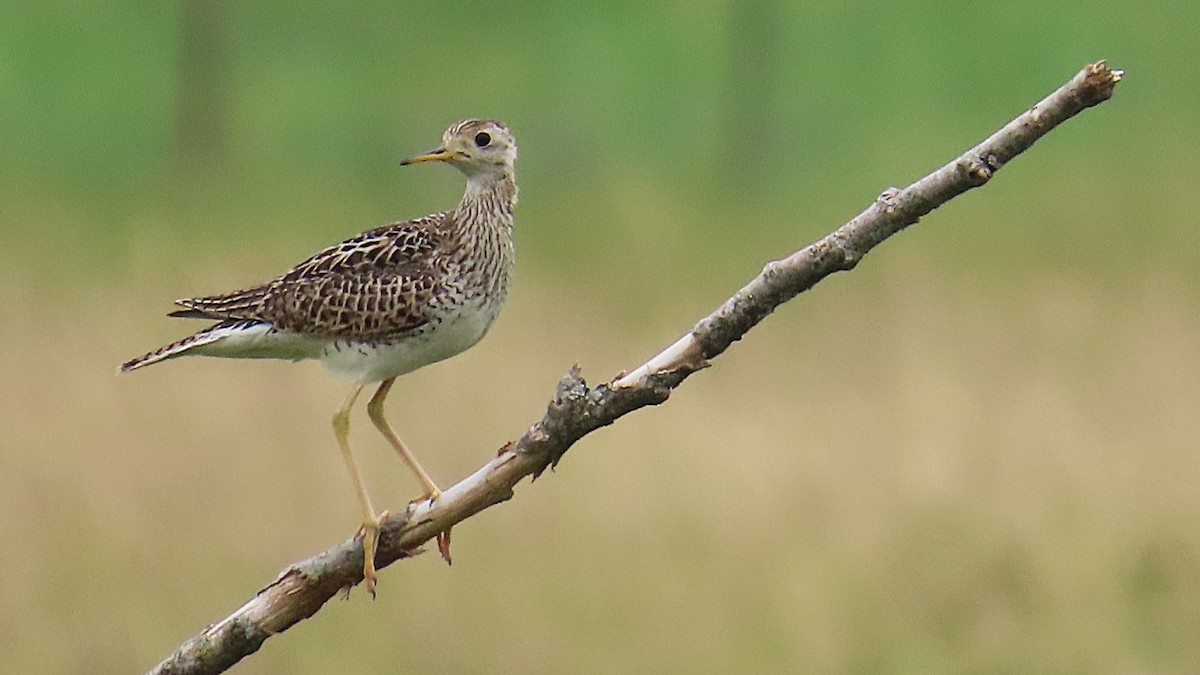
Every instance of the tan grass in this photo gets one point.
(930, 479)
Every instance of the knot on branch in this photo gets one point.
(888, 199)
(975, 170)
(561, 425)
(772, 270)
(577, 410)
(571, 387)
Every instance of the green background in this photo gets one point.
(975, 453)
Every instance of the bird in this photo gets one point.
(381, 304)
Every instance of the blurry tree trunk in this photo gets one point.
(752, 76)
(202, 77)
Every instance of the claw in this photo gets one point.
(443, 544)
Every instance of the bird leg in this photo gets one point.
(371, 521)
(375, 410)
(432, 491)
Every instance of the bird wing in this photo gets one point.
(374, 285)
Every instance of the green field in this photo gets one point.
(977, 453)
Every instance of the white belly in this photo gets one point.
(374, 362)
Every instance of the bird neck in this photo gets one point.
(488, 200)
(481, 230)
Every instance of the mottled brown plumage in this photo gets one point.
(379, 285)
(383, 303)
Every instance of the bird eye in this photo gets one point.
(482, 139)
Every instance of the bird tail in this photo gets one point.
(208, 336)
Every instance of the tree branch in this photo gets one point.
(576, 410)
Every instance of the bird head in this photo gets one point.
(475, 147)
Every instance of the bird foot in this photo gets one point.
(443, 538)
(430, 497)
(369, 534)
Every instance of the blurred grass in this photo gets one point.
(976, 453)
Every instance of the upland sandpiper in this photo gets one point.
(383, 303)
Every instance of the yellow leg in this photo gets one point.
(432, 491)
(370, 526)
(375, 411)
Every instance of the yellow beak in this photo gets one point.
(439, 155)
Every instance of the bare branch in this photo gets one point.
(893, 211)
(303, 588)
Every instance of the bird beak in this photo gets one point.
(439, 155)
